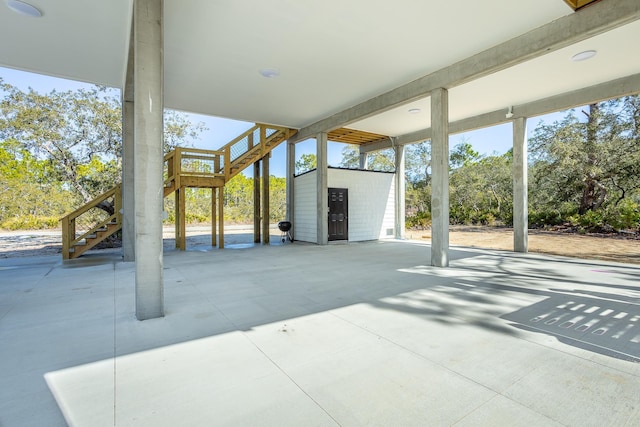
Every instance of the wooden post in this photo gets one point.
(117, 203)
(177, 168)
(221, 217)
(176, 208)
(65, 238)
(214, 238)
(263, 139)
(256, 202)
(227, 163)
(265, 199)
(183, 218)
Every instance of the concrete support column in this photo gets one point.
(128, 147)
(322, 189)
(440, 180)
(364, 161)
(266, 238)
(148, 156)
(400, 192)
(291, 170)
(520, 180)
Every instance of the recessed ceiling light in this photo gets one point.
(583, 56)
(24, 8)
(269, 73)
(414, 110)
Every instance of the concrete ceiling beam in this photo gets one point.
(594, 20)
(617, 88)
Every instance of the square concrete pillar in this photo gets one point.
(128, 152)
(440, 178)
(148, 157)
(400, 192)
(520, 181)
(364, 161)
(291, 170)
(322, 189)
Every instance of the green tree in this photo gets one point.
(463, 154)
(586, 169)
(78, 132)
(481, 191)
(381, 160)
(306, 163)
(27, 190)
(418, 163)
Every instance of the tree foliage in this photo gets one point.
(381, 160)
(584, 172)
(72, 141)
(586, 168)
(60, 149)
(28, 189)
(306, 163)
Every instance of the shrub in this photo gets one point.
(624, 216)
(420, 220)
(544, 218)
(486, 218)
(591, 220)
(30, 222)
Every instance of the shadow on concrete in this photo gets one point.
(598, 324)
(88, 305)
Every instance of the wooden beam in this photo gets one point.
(579, 4)
(354, 136)
(201, 181)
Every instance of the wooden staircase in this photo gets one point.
(92, 223)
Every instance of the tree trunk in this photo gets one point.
(593, 192)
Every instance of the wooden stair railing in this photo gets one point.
(192, 167)
(87, 226)
(252, 146)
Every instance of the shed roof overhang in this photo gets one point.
(356, 137)
(577, 4)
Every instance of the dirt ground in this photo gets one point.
(600, 247)
(611, 248)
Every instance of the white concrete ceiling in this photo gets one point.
(545, 76)
(330, 54)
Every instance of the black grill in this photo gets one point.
(285, 228)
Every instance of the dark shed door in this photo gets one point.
(338, 214)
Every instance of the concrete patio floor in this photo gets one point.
(302, 335)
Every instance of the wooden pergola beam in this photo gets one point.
(578, 4)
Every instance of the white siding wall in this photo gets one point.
(371, 202)
(305, 225)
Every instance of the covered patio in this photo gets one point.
(377, 333)
(301, 334)
(402, 71)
